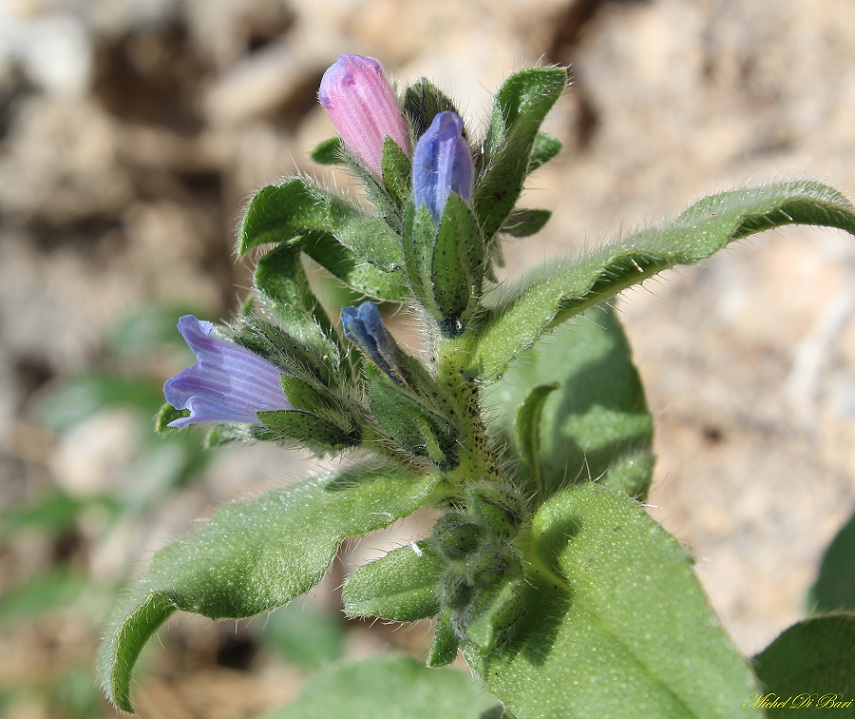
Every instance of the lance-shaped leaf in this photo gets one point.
(329, 152)
(283, 213)
(396, 173)
(456, 266)
(422, 102)
(526, 433)
(315, 361)
(388, 687)
(401, 586)
(412, 425)
(307, 429)
(253, 557)
(545, 148)
(615, 625)
(835, 584)
(812, 660)
(523, 223)
(520, 107)
(445, 644)
(353, 271)
(595, 426)
(281, 281)
(419, 238)
(520, 313)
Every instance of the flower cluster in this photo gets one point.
(231, 384)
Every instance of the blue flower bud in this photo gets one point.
(442, 163)
(363, 326)
(228, 383)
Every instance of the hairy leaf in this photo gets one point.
(285, 212)
(616, 624)
(353, 271)
(390, 687)
(253, 557)
(835, 586)
(521, 313)
(545, 148)
(595, 426)
(401, 586)
(520, 107)
(523, 223)
(329, 152)
(282, 282)
(456, 266)
(527, 429)
(812, 660)
(422, 102)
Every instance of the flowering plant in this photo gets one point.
(523, 423)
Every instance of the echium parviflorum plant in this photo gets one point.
(521, 419)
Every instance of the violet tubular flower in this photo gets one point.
(442, 164)
(364, 327)
(228, 383)
(362, 105)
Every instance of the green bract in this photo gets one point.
(521, 419)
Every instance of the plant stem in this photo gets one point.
(477, 460)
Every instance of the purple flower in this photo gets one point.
(442, 164)
(364, 109)
(228, 383)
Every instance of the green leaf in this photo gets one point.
(410, 424)
(281, 280)
(443, 648)
(401, 586)
(306, 636)
(253, 557)
(545, 148)
(308, 355)
(422, 102)
(354, 272)
(168, 414)
(55, 590)
(835, 585)
(812, 661)
(519, 314)
(52, 515)
(520, 107)
(75, 400)
(616, 624)
(396, 172)
(495, 621)
(388, 687)
(329, 152)
(527, 430)
(283, 213)
(456, 266)
(309, 430)
(523, 223)
(143, 333)
(596, 426)
(419, 240)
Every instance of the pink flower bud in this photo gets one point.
(363, 107)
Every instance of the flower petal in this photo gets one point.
(363, 107)
(442, 164)
(228, 383)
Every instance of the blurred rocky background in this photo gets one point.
(131, 133)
